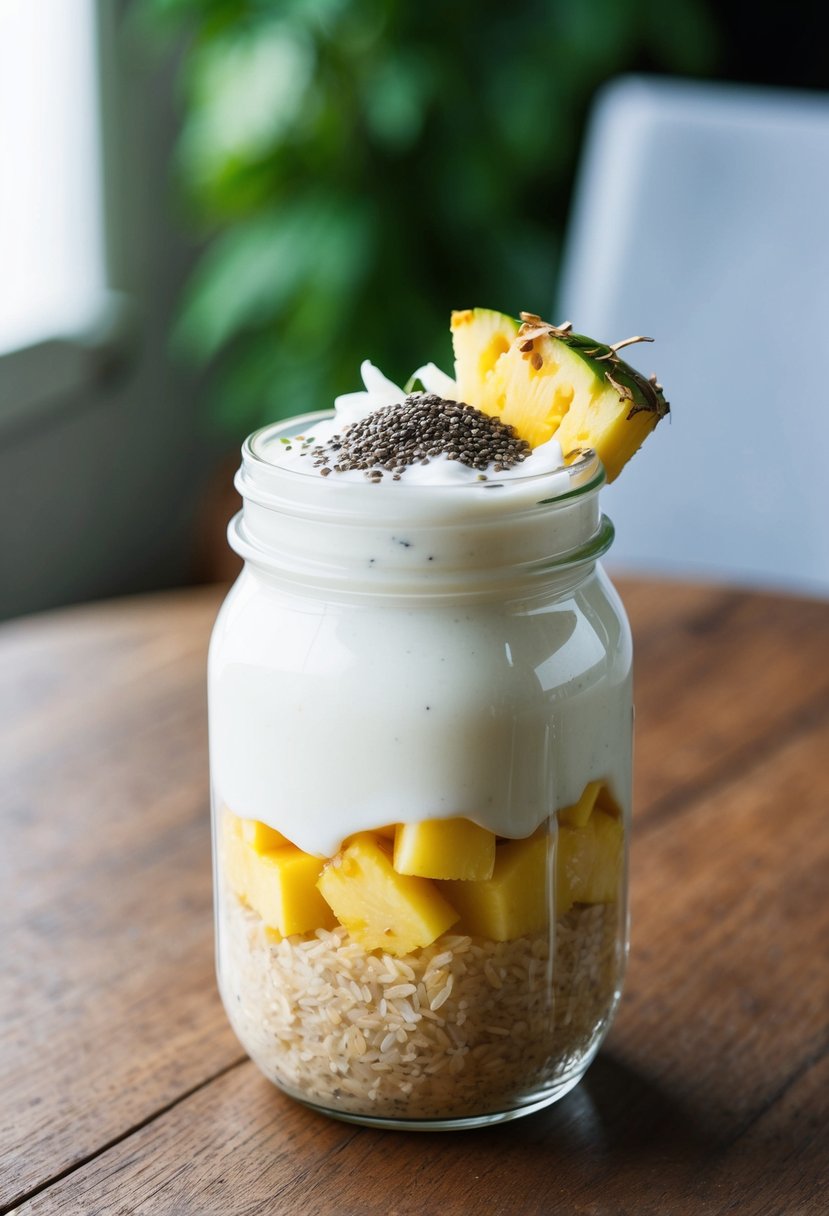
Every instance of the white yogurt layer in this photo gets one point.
(329, 719)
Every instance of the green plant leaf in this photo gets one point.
(313, 250)
(357, 168)
(246, 89)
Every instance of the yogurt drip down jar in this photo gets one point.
(420, 745)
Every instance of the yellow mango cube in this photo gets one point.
(596, 794)
(279, 884)
(282, 888)
(606, 802)
(381, 909)
(578, 814)
(260, 837)
(514, 901)
(233, 855)
(589, 862)
(608, 859)
(444, 848)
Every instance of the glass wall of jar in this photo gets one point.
(420, 739)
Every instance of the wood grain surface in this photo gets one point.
(124, 1091)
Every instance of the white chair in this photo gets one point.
(701, 218)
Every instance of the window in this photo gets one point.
(52, 263)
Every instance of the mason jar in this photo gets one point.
(420, 748)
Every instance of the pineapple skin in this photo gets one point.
(613, 424)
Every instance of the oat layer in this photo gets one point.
(463, 1027)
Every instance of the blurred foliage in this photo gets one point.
(357, 168)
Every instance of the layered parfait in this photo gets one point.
(438, 930)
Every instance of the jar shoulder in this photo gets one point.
(581, 635)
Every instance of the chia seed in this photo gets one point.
(422, 426)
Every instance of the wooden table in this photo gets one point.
(124, 1091)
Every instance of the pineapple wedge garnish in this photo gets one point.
(551, 382)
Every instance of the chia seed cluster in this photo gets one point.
(415, 431)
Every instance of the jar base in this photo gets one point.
(550, 1095)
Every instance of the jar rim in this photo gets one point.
(583, 475)
(327, 532)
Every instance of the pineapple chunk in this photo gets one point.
(589, 865)
(479, 338)
(381, 909)
(282, 888)
(444, 848)
(514, 901)
(260, 837)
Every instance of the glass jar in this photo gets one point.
(420, 746)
